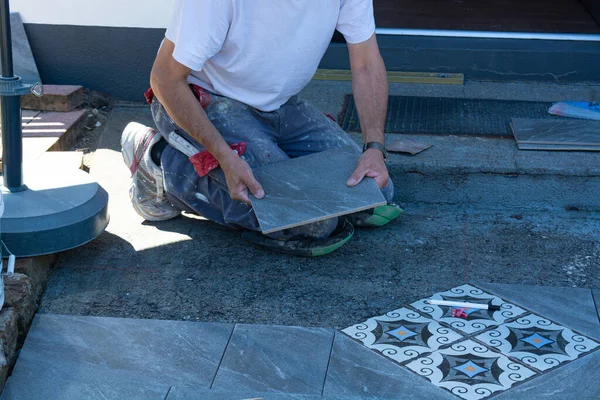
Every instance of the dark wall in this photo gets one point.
(593, 6)
(485, 59)
(119, 60)
(114, 60)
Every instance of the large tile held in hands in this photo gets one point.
(571, 307)
(121, 351)
(43, 388)
(275, 359)
(355, 370)
(561, 134)
(311, 188)
(24, 63)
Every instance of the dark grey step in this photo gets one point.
(493, 174)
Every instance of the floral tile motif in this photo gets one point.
(474, 320)
(470, 370)
(402, 334)
(538, 342)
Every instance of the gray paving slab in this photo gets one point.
(31, 388)
(121, 351)
(569, 134)
(358, 371)
(275, 359)
(571, 307)
(178, 393)
(596, 295)
(295, 197)
(579, 380)
(24, 63)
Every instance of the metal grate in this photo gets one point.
(448, 116)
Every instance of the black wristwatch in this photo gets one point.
(376, 145)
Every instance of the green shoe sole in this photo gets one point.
(382, 215)
(304, 247)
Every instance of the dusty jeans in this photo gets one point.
(296, 129)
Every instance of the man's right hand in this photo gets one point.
(240, 178)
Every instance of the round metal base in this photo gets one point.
(58, 211)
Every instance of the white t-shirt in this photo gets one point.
(262, 52)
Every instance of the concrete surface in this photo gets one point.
(190, 269)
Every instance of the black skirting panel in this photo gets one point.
(119, 60)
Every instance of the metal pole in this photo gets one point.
(10, 109)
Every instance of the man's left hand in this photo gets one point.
(371, 164)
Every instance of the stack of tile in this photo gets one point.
(50, 122)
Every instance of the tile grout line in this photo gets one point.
(329, 361)
(596, 304)
(222, 356)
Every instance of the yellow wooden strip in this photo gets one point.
(395, 77)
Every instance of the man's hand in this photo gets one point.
(371, 164)
(240, 178)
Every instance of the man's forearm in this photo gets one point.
(185, 110)
(370, 87)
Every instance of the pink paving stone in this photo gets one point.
(56, 98)
(62, 125)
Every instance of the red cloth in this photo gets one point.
(204, 162)
(202, 95)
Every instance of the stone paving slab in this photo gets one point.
(275, 359)
(579, 380)
(24, 62)
(178, 393)
(22, 387)
(121, 351)
(56, 98)
(596, 295)
(355, 370)
(571, 307)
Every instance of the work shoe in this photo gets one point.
(303, 246)
(378, 216)
(146, 189)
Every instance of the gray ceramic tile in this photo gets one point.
(596, 295)
(578, 380)
(538, 342)
(24, 63)
(311, 188)
(178, 393)
(402, 334)
(470, 370)
(357, 371)
(182, 393)
(476, 319)
(120, 351)
(43, 388)
(571, 307)
(567, 134)
(275, 359)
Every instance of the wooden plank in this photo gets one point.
(396, 77)
(556, 134)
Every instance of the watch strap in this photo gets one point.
(375, 145)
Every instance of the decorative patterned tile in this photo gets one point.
(476, 319)
(470, 370)
(402, 334)
(538, 342)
